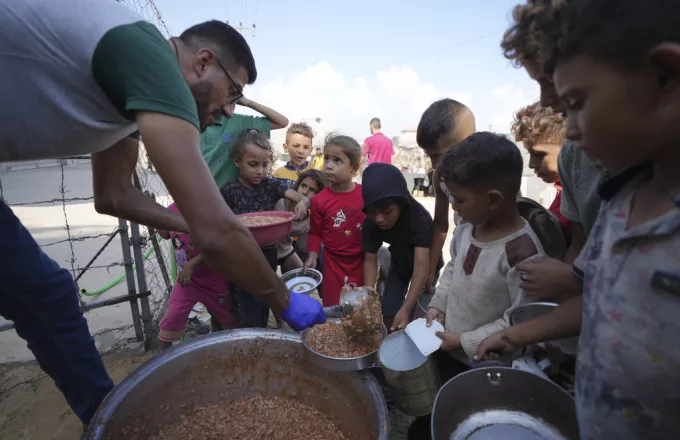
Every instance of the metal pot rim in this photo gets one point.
(123, 388)
(305, 332)
(491, 370)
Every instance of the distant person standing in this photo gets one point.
(377, 147)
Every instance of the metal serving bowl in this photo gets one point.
(303, 281)
(339, 364)
(528, 312)
(503, 403)
(230, 365)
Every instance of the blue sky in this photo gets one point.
(349, 61)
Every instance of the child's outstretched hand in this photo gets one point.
(401, 319)
(436, 315)
(311, 260)
(450, 341)
(301, 209)
(184, 277)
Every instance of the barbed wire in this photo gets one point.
(149, 10)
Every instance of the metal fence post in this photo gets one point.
(130, 278)
(149, 331)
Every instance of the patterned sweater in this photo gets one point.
(480, 285)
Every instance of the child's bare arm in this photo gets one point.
(440, 228)
(302, 203)
(276, 118)
(370, 269)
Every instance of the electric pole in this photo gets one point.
(242, 28)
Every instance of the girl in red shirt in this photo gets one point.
(336, 219)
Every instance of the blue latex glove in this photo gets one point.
(303, 312)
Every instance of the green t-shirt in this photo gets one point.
(216, 144)
(86, 67)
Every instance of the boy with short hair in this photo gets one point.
(481, 285)
(396, 218)
(298, 146)
(621, 89)
(317, 161)
(445, 123)
(542, 131)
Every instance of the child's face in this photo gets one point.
(386, 217)
(253, 165)
(548, 94)
(474, 206)
(543, 160)
(308, 188)
(299, 148)
(620, 118)
(337, 167)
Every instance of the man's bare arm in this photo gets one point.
(227, 245)
(114, 193)
(276, 118)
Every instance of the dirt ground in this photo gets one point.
(31, 407)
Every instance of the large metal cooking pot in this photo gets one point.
(503, 403)
(230, 365)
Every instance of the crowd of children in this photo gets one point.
(602, 136)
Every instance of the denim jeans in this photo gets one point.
(42, 300)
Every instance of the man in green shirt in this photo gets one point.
(82, 77)
(216, 140)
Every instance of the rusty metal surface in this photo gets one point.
(229, 365)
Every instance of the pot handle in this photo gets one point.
(485, 363)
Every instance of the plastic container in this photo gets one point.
(271, 233)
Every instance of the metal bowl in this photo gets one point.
(233, 364)
(528, 312)
(503, 403)
(303, 281)
(340, 364)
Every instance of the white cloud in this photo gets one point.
(397, 95)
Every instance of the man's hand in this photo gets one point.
(311, 260)
(450, 341)
(434, 315)
(547, 278)
(401, 319)
(494, 346)
(303, 312)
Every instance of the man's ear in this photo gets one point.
(285, 147)
(665, 60)
(496, 198)
(202, 59)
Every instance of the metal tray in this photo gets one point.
(339, 364)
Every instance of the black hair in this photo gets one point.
(375, 123)
(348, 145)
(619, 32)
(484, 161)
(250, 136)
(438, 120)
(318, 177)
(227, 43)
(383, 204)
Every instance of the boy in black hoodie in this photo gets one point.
(396, 218)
